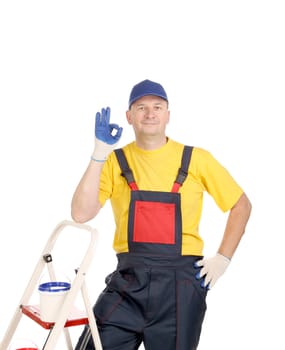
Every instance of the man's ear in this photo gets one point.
(128, 116)
(168, 117)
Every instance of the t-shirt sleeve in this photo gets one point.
(106, 181)
(216, 179)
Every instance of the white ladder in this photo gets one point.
(63, 320)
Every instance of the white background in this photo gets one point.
(222, 65)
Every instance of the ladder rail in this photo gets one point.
(70, 298)
(91, 317)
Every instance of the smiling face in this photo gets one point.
(149, 116)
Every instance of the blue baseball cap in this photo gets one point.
(145, 88)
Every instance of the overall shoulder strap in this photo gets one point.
(183, 170)
(126, 171)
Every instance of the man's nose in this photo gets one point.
(150, 113)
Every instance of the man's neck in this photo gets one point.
(151, 143)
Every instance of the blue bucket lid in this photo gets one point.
(54, 287)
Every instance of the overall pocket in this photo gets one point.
(155, 225)
(154, 222)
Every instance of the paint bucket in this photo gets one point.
(52, 295)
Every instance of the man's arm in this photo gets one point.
(235, 227)
(213, 268)
(85, 203)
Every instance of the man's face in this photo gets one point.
(149, 116)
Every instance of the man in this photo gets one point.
(157, 294)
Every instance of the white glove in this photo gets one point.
(212, 269)
(101, 150)
(105, 138)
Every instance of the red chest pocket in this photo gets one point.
(154, 222)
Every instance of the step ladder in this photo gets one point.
(68, 315)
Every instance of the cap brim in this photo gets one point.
(146, 94)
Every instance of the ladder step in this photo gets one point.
(77, 317)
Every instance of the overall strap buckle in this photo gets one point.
(183, 170)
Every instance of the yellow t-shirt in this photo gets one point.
(156, 170)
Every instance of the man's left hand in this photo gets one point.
(212, 269)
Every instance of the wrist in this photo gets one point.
(101, 150)
(224, 256)
(97, 160)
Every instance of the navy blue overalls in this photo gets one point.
(153, 296)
